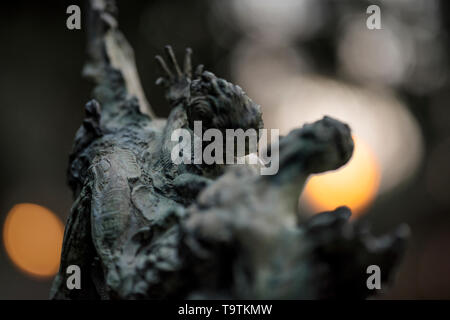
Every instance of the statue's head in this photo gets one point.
(320, 146)
(222, 105)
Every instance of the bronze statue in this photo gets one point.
(142, 227)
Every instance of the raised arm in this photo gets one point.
(111, 60)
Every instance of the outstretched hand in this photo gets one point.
(176, 81)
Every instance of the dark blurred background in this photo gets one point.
(298, 59)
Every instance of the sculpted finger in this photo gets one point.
(161, 82)
(199, 70)
(173, 60)
(163, 66)
(188, 62)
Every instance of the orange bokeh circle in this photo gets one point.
(354, 185)
(33, 236)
